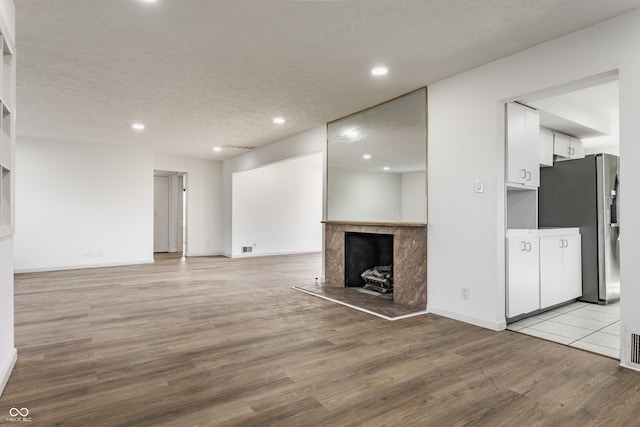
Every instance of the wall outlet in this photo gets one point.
(94, 254)
(464, 293)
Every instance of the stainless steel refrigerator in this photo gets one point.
(584, 193)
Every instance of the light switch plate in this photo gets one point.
(478, 186)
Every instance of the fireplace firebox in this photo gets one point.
(364, 251)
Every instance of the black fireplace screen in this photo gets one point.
(364, 251)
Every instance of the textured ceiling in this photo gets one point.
(201, 73)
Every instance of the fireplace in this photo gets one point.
(369, 255)
(408, 257)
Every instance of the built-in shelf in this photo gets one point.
(7, 137)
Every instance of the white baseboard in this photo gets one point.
(488, 324)
(346, 304)
(204, 253)
(256, 254)
(81, 266)
(5, 371)
(634, 367)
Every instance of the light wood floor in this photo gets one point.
(215, 341)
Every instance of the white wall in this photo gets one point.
(82, 205)
(376, 196)
(204, 194)
(413, 197)
(7, 350)
(466, 142)
(364, 196)
(305, 143)
(277, 208)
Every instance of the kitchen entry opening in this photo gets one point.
(369, 261)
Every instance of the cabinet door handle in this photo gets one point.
(561, 243)
(523, 246)
(568, 151)
(523, 173)
(566, 243)
(573, 151)
(528, 247)
(528, 176)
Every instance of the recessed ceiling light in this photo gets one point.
(352, 134)
(386, 168)
(149, 1)
(366, 156)
(379, 71)
(138, 126)
(217, 148)
(278, 120)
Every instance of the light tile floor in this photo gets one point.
(591, 327)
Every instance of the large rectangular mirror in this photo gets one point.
(376, 163)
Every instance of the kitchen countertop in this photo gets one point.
(533, 232)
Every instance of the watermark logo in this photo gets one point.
(18, 415)
(14, 412)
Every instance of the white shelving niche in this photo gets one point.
(7, 138)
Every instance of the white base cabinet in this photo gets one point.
(523, 291)
(544, 268)
(560, 269)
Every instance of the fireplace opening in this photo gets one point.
(368, 261)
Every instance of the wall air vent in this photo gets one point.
(238, 147)
(247, 249)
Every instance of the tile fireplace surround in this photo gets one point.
(409, 257)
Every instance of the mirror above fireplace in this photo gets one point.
(376, 163)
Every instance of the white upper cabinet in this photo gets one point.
(545, 147)
(523, 156)
(577, 149)
(567, 147)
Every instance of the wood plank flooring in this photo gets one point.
(227, 342)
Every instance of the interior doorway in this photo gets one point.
(161, 195)
(169, 214)
(573, 200)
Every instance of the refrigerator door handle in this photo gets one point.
(613, 204)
